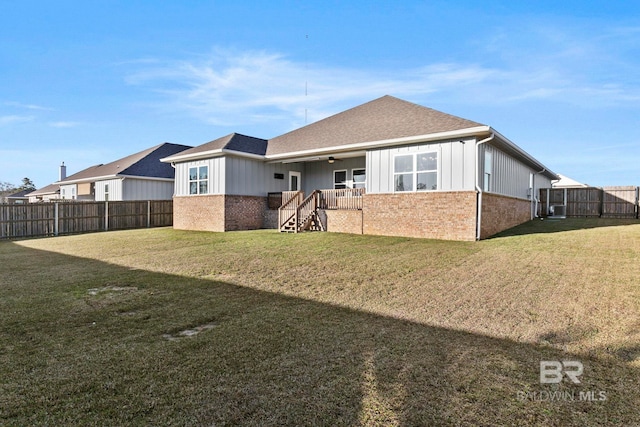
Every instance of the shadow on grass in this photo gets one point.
(87, 343)
(555, 225)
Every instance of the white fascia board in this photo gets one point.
(243, 154)
(524, 154)
(89, 179)
(194, 156)
(145, 178)
(209, 154)
(461, 133)
(106, 177)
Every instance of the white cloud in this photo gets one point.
(563, 66)
(64, 124)
(229, 88)
(10, 119)
(27, 106)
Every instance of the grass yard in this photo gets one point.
(166, 327)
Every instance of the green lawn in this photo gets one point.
(166, 327)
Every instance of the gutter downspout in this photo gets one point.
(535, 196)
(478, 188)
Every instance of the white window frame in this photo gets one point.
(414, 172)
(353, 180)
(345, 182)
(106, 192)
(487, 171)
(199, 180)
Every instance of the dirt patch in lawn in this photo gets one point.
(185, 333)
(109, 289)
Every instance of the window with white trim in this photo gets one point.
(339, 179)
(415, 172)
(199, 180)
(488, 170)
(359, 178)
(106, 192)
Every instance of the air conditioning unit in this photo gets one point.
(558, 211)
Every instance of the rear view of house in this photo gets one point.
(386, 167)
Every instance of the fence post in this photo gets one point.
(56, 217)
(148, 213)
(601, 202)
(106, 216)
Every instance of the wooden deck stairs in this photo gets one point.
(297, 215)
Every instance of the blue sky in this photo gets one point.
(90, 82)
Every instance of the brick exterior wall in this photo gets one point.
(342, 221)
(433, 215)
(203, 213)
(244, 212)
(502, 212)
(219, 212)
(270, 219)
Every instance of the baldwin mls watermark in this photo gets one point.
(555, 372)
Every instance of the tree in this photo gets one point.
(27, 184)
(6, 189)
(6, 186)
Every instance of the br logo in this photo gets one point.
(552, 371)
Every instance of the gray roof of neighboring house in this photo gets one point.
(20, 194)
(378, 120)
(146, 163)
(233, 142)
(49, 189)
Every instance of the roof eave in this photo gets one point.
(459, 133)
(87, 179)
(526, 156)
(193, 156)
(209, 154)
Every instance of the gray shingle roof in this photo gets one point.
(233, 141)
(378, 120)
(49, 189)
(146, 163)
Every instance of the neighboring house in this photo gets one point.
(387, 167)
(140, 176)
(19, 197)
(566, 182)
(45, 194)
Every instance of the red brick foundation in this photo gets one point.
(502, 212)
(244, 212)
(218, 212)
(203, 213)
(342, 221)
(433, 215)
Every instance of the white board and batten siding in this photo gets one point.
(146, 189)
(216, 184)
(68, 191)
(510, 177)
(115, 189)
(248, 177)
(237, 176)
(456, 165)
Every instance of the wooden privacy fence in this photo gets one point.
(59, 218)
(606, 202)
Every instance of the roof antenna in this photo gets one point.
(306, 74)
